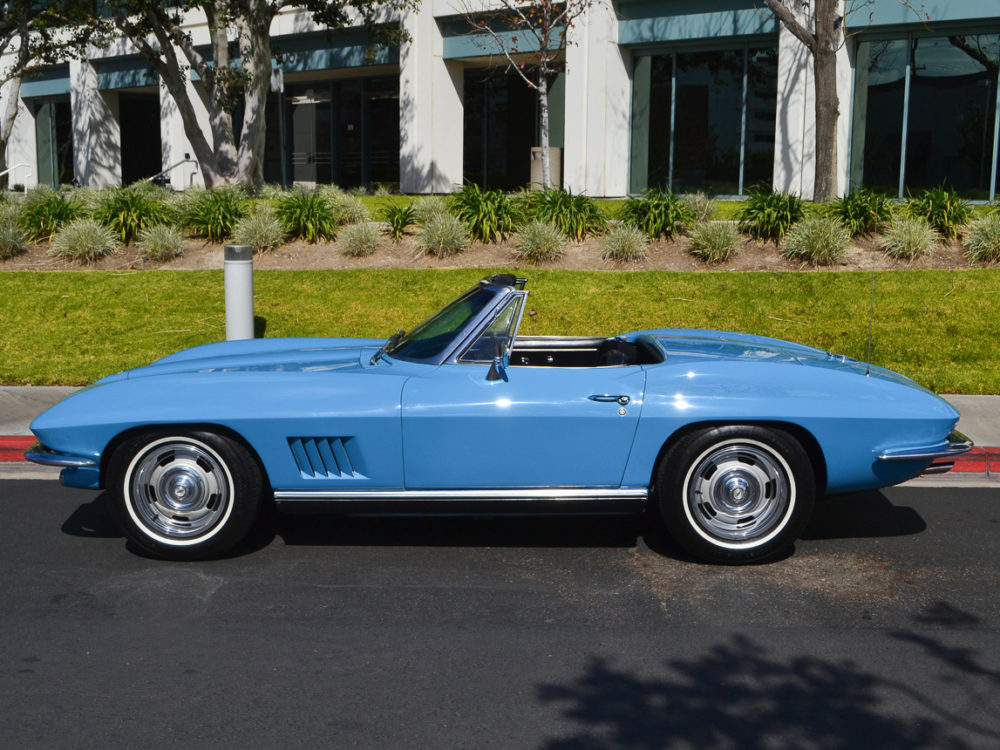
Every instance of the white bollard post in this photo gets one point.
(238, 272)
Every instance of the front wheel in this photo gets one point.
(735, 494)
(184, 495)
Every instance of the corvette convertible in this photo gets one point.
(730, 437)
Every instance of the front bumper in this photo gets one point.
(941, 455)
(78, 471)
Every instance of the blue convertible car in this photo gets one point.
(729, 436)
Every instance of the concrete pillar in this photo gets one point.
(21, 145)
(430, 109)
(598, 101)
(97, 145)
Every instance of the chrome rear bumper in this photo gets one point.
(42, 454)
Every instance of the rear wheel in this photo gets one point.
(735, 494)
(184, 495)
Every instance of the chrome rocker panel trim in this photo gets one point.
(568, 493)
(41, 454)
(956, 445)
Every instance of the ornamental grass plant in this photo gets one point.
(359, 240)
(261, 229)
(13, 240)
(860, 211)
(398, 217)
(161, 242)
(539, 242)
(817, 240)
(700, 206)
(625, 243)
(943, 209)
(213, 213)
(83, 241)
(129, 210)
(982, 242)
(908, 237)
(443, 235)
(44, 210)
(714, 243)
(575, 215)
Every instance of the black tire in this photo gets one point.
(184, 495)
(735, 494)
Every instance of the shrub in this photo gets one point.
(861, 210)
(84, 241)
(539, 241)
(261, 229)
(909, 237)
(269, 192)
(214, 213)
(943, 209)
(129, 210)
(13, 240)
(489, 216)
(161, 242)
(398, 216)
(982, 244)
(625, 243)
(306, 214)
(428, 207)
(443, 235)
(768, 215)
(575, 216)
(45, 210)
(658, 213)
(819, 240)
(10, 212)
(347, 208)
(700, 206)
(715, 243)
(359, 240)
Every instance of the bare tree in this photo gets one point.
(531, 36)
(236, 69)
(823, 41)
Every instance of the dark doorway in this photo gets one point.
(344, 132)
(500, 128)
(139, 117)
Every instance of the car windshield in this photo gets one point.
(431, 337)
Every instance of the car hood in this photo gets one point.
(695, 345)
(261, 355)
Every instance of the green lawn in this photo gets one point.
(938, 327)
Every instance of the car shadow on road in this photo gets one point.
(92, 520)
(460, 531)
(861, 515)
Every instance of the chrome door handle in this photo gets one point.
(610, 398)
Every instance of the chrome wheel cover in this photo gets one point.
(178, 491)
(739, 493)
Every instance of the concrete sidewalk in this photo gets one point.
(20, 404)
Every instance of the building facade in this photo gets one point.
(693, 95)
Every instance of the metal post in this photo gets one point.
(238, 273)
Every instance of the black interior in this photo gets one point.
(582, 351)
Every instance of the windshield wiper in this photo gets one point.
(387, 345)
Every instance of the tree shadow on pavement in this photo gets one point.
(737, 695)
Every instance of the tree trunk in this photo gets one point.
(543, 108)
(827, 102)
(256, 60)
(7, 117)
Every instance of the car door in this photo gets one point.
(538, 427)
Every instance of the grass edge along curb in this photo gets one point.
(929, 325)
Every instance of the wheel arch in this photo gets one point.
(805, 438)
(118, 440)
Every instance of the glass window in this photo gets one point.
(491, 342)
(432, 337)
(949, 111)
(952, 108)
(878, 114)
(689, 110)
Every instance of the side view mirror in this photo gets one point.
(498, 369)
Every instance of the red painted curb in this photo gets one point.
(12, 447)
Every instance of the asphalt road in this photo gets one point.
(880, 631)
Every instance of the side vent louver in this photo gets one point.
(324, 457)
